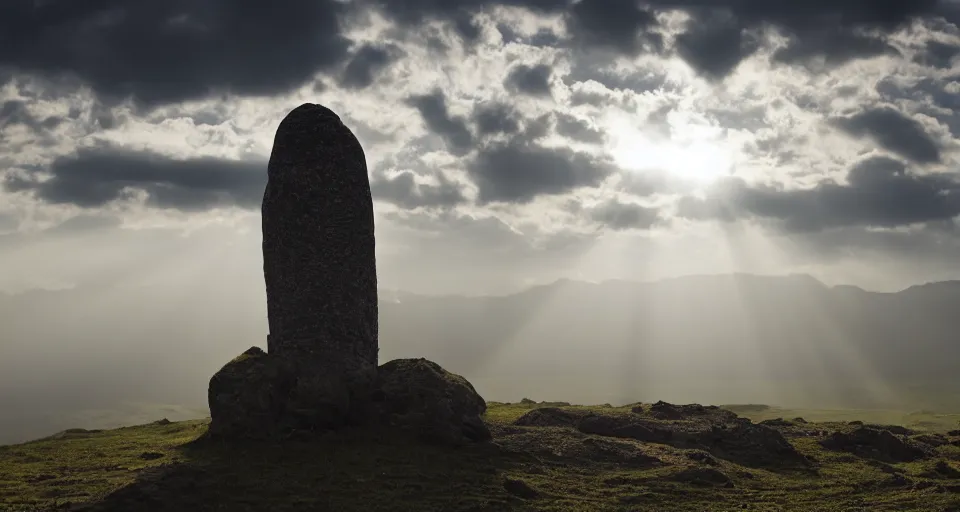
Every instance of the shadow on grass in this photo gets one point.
(362, 470)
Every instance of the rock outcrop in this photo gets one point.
(244, 398)
(420, 397)
(877, 444)
(716, 431)
(320, 369)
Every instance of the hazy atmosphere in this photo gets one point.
(596, 201)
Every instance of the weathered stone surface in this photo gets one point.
(318, 238)
(625, 427)
(571, 445)
(876, 444)
(751, 445)
(320, 271)
(243, 397)
(418, 396)
(320, 368)
(319, 264)
(256, 396)
(931, 440)
(721, 433)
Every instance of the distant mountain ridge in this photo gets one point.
(793, 331)
(391, 294)
(783, 340)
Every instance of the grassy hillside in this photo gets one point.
(530, 466)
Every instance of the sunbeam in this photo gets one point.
(689, 152)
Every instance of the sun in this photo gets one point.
(691, 153)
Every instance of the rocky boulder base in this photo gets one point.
(249, 399)
(320, 271)
(420, 397)
(244, 398)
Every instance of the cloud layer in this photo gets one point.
(544, 123)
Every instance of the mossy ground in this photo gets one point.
(159, 467)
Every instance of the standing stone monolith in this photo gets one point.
(319, 265)
(320, 369)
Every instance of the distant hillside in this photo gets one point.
(97, 352)
(798, 338)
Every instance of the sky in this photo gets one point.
(509, 143)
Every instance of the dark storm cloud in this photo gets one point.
(466, 27)
(15, 116)
(15, 112)
(488, 119)
(835, 47)
(715, 47)
(724, 32)
(403, 191)
(838, 31)
(534, 129)
(162, 52)
(518, 172)
(491, 118)
(893, 131)
(621, 25)
(879, 192)
(531, 80)
(934, 97)
(578, 129)
(365, 64)
(938, 54)
(620, 216)
(459, 14)
(813, 17)
(453, 130)
(95, 176)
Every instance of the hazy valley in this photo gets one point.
(789, 341)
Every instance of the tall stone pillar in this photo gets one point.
(319, 264)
